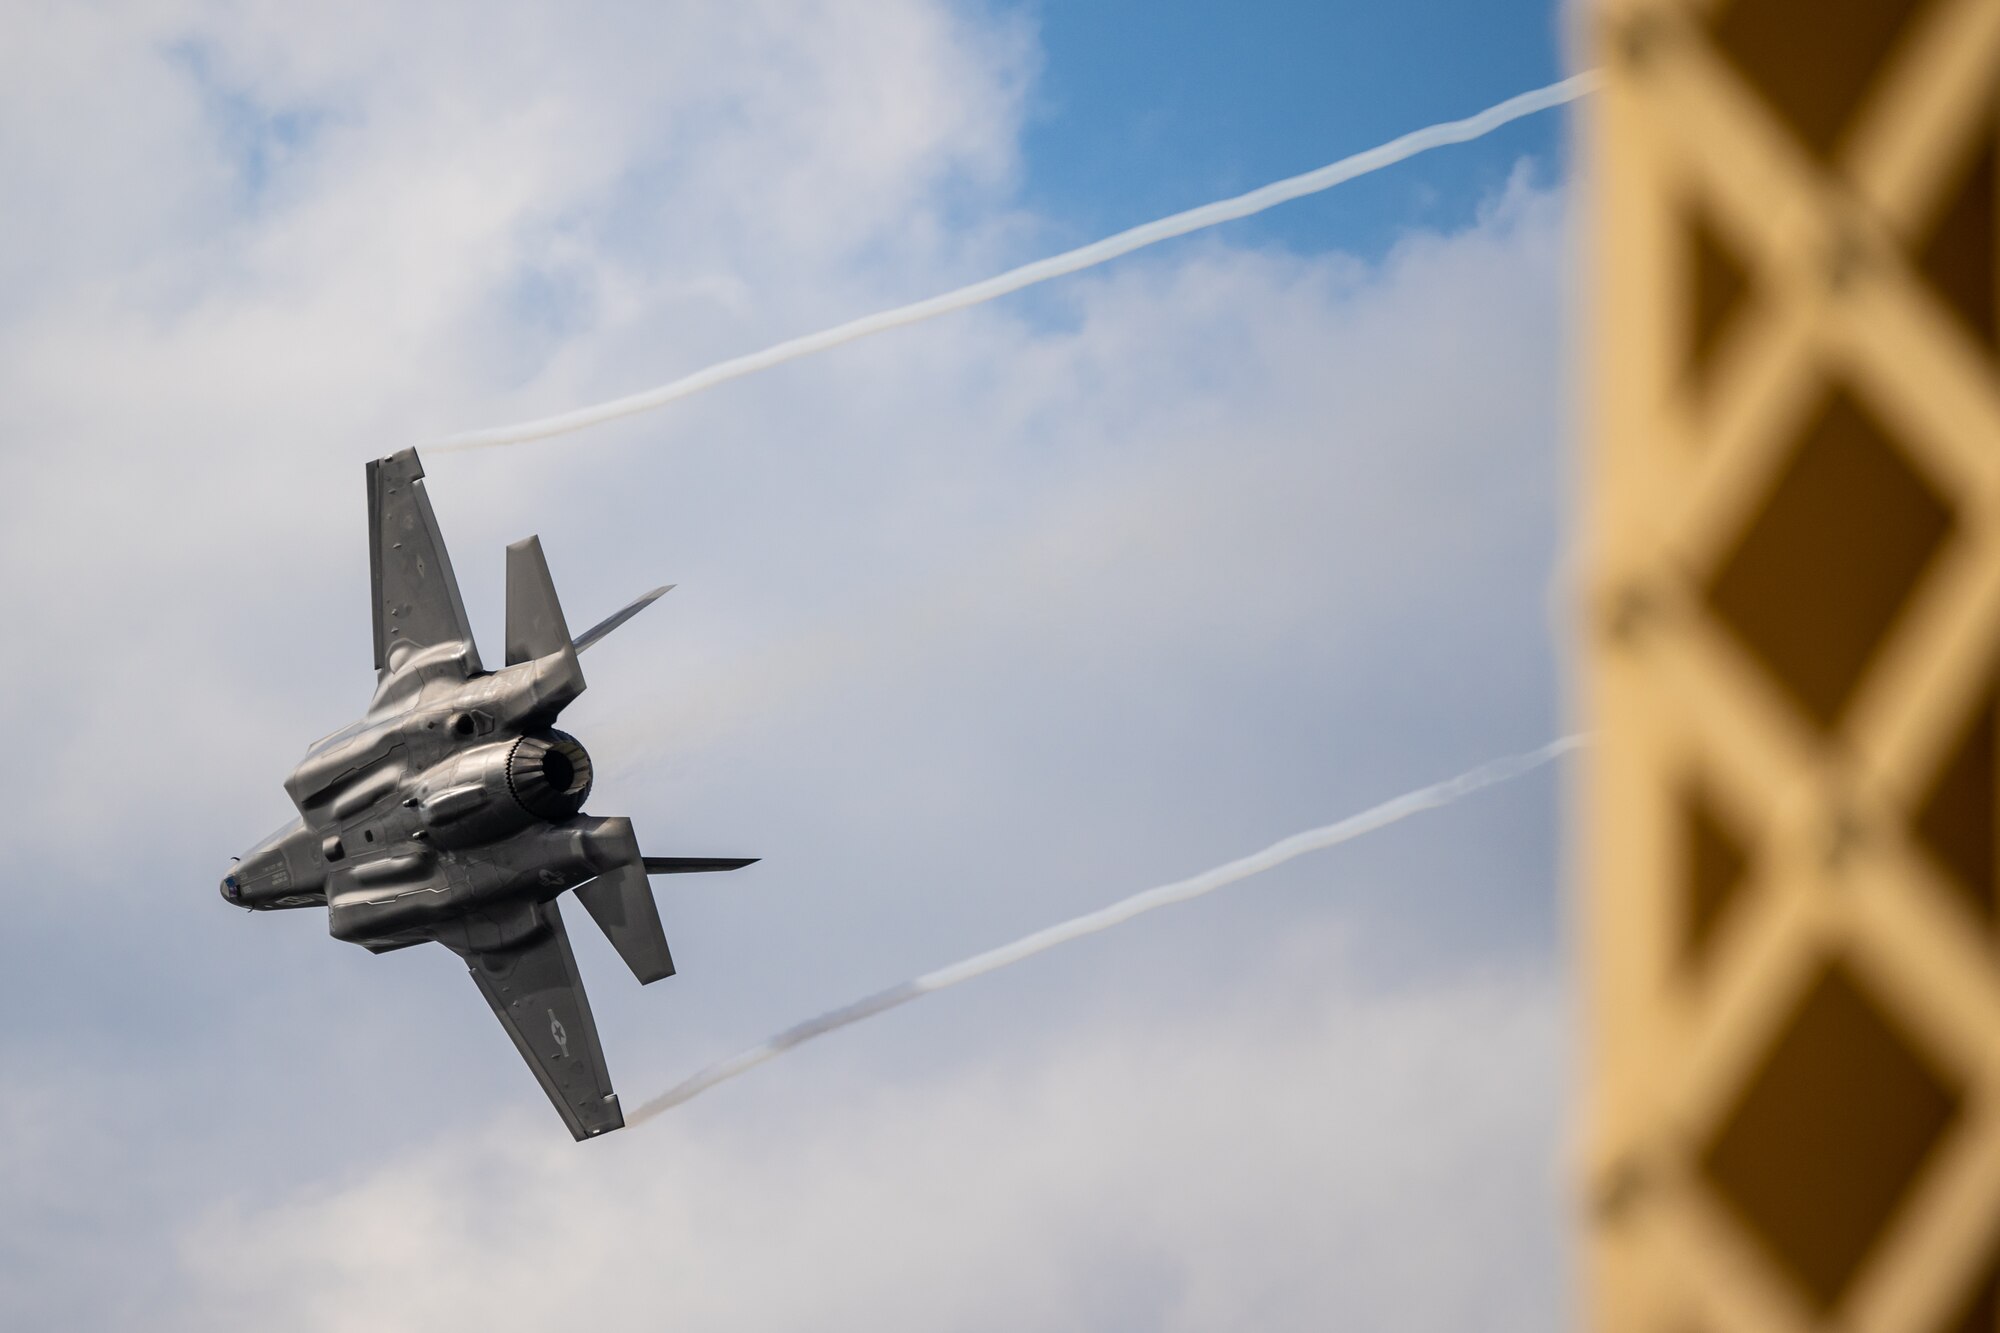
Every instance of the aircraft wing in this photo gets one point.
(536, 994)
(416, 600)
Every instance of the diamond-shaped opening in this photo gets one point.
(1954, 818)
(1718, 286)
(1715, 865)
(1814, 69)
(1816, 580)
(1958, 255)
(1829, 1134)
(1979, 1310)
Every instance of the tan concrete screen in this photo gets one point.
(1792, 620)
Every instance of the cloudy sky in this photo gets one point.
(979, 625)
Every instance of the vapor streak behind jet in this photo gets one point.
(1312, 840)
(1056, 266)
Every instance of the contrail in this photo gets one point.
(1098, 252)
(1180, 891)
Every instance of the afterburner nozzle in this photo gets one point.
(549, 774)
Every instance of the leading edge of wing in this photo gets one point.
(535, 992)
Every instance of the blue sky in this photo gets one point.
(979, 625)
(1143, 109)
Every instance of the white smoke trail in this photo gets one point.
(1098, 252)
(1180, 891)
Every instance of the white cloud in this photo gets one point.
(979, 625)
(502, 199)
(1371, 1160)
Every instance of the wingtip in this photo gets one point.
(405, 461)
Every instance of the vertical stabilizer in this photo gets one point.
(535, 624)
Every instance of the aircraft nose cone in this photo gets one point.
(232, 890)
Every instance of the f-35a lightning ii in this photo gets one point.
(453, 810)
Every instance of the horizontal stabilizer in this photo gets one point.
(621, 902)
(617, 618)
(695, 865)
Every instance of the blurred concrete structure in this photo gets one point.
(1791, 916)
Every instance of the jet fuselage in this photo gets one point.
(453, 809)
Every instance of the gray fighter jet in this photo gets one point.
(453, 810)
